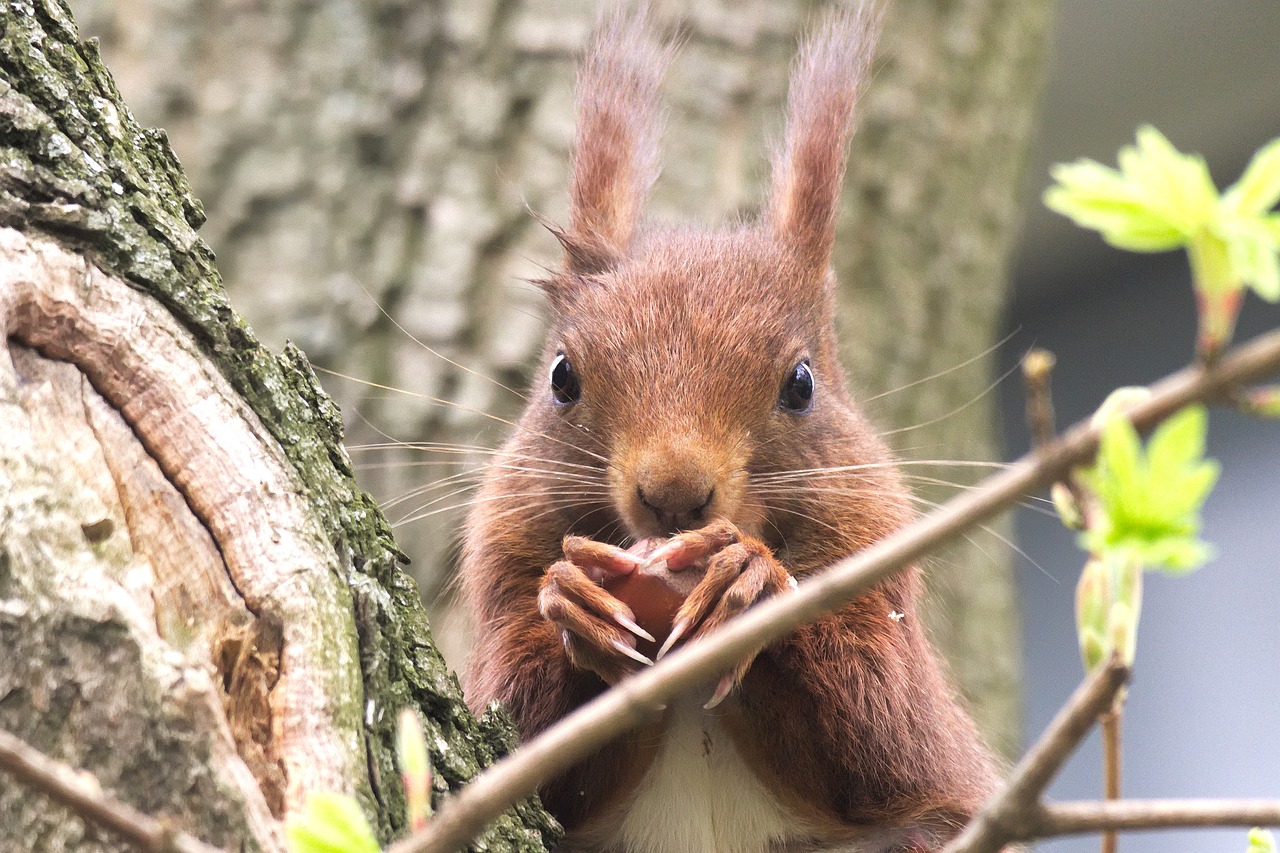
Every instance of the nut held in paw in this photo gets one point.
(654, 594)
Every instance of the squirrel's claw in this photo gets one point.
(623, 648)
(678, 630)
(589, 620)
(684, 549)
(630, 624)
(723, 687)
(599, 560)
(738, 576)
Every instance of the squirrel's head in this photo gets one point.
(696, 363)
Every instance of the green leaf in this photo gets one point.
(1253, 248)
(329, 823)
(1100, 198)
(1258, 189)
(1161, 199)
(1178, 443)
(1149, 501)
(1261, 841)
(1177, 184)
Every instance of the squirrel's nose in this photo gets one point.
(679, 501)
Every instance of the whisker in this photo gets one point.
(924, 502)
(575, 481)
(437, 353)
(1035, 503)
(862, 489)
(985, 391)
(797, 473)
(419, 515)
(828, 525)
(467, 450)
(427, 446)
(986, 352)
(442, 402)
(544, 474)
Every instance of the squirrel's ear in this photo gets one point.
(826, 79)
(615, 151)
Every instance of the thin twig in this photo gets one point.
(1037, 368)
(1082, 817)
(1037, 373)
(60, 783)
(1003, 818)
(579, 734)
(1109, 720)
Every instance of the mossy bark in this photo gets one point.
(76, 167)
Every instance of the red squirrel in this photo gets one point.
(691, 410)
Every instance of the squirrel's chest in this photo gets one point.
(699, 795)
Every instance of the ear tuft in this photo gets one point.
(826, 79)
(615, 152)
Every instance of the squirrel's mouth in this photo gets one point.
(641, 518)
(664, 485)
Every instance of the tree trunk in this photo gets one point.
(358, 157)
(199, 606)
(930, 215)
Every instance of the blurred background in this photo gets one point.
(369, 168)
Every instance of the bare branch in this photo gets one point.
(1005, 817)
(60, 783)
(1081, 817)
(638, 698)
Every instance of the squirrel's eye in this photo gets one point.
(564, 381)
(797, 391)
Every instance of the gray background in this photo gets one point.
(1203, 717)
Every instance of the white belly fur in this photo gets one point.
(699, 795)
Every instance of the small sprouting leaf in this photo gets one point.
(1253, 248)
(1178, 183)
(1093, 603)
(329, 823)
(1261, 841)
(1118, 401)
(1161, 199)
(1263, 402)
(415, 768)
(1150, 501)
(1158, 200)
(1126, 606)
(1067, 507)
(1258, 189)
(1096, 197)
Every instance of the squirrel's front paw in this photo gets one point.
(598, 630)
(741, 570)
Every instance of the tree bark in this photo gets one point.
(200, 607)
(358, 157)
(930, 214)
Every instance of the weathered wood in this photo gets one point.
(263, 601)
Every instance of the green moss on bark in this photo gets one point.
(75, 165)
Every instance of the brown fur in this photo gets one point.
(682, 341)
